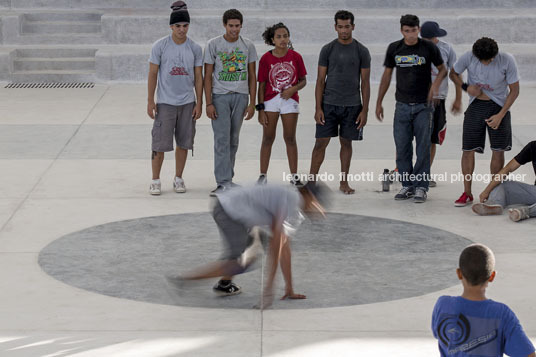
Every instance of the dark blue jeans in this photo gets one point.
(413, 120)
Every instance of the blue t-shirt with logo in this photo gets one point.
(478, 328)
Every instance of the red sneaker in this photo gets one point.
(464, 200)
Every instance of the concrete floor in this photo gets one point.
(74, 159)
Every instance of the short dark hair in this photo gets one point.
(409, 20)
(485, 48)
(477, 263)
(269, 33)
(232, 14)
(344, 15)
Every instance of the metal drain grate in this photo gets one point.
(51, 85)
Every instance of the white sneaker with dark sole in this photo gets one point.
(420, 195)
(226, 290)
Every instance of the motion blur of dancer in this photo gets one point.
(237, 211)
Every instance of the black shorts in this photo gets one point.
(336, 117)
(439, 131)
(475, 126)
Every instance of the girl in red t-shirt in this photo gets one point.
(281, 75)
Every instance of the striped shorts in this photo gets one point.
(475, 126)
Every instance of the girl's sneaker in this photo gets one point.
(262, 180)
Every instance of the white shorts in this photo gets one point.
(282, 106)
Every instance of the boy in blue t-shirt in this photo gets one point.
(471, 324)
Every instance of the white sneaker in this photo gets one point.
(178, 185)
(155, 188)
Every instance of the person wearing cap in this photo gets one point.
(230, 81)
(431, 31)
(176, 69)
(412, 57)
(493, 86)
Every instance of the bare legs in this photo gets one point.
(290, 122)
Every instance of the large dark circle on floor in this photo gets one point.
(343, 260)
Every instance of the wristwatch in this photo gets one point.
(464, 87)
(259, 106)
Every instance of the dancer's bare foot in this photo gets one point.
(293, 296)
(346, 189)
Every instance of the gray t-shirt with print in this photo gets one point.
(344, 64)
(260, 205)
(494, 78)
(176, 70)
(230, 60)
(449, 59)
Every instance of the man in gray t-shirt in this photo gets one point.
(176, 66)
(342, 95)
(493, 86)
(229, 79)
(237, 211)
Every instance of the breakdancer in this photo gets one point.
(236, 212)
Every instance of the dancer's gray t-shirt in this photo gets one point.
(260, 205)
(176, 70)
(230, 60)
(344, 64)
(494, 78)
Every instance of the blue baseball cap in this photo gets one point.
(431, 29)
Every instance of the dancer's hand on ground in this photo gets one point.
(361, 120)
(266, 301)
(456, 107)
(151, 109)
(211, 112)
(379, 112)
(198, 110)
(319, 117)
(249, 112)
(263, 118)
(483, 197)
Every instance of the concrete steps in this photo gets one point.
(54, 65)
(122, 37)
(61, 23)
